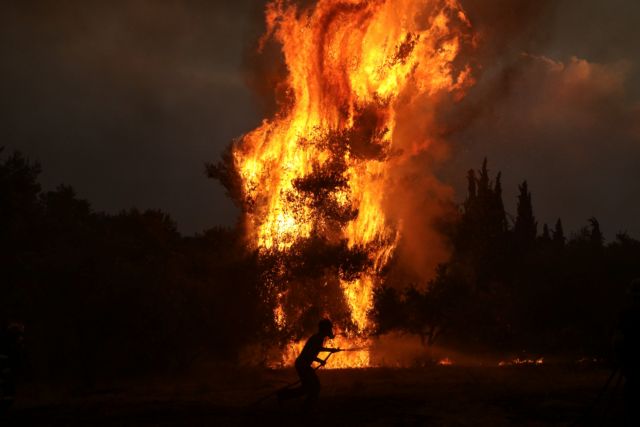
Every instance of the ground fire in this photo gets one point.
(313, 177)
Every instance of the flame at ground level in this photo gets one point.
(357, 356)
(398, 350)
(522, 362)
(445, 362)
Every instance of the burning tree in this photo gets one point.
(311, 181)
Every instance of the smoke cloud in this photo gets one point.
(558, 105)
(545, 108)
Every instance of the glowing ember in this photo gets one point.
(521, 362)
(319, 168)
(445, 362)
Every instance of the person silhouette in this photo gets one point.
(627, 347)
(309, 383)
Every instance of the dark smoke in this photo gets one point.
(556, 103)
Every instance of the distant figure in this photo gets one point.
(310, 386)
(627, 348)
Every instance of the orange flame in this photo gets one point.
(351, 359)
(350, 64)
(445, 362)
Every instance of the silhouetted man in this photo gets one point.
(310, 386)
(628, 354)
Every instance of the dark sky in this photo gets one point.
(125, 101)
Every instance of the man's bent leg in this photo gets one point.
(292, 393)
(312, 386)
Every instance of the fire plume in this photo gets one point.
(319, 168)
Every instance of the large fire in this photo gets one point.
(320, 167)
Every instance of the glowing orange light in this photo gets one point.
(346, 59)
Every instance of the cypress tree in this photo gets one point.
(483, 180)
(471, 187)
(546, 235)
(596, 236)
(558, 234)
(499, 212)
(526, 227)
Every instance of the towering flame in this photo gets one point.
(320, 167)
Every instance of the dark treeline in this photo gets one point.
(513, 286)
(125, 294)
(104, 295)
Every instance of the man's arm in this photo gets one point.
(325, 350)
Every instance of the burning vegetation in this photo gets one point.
(339, 195)
(312, 179)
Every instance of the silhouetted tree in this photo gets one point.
(546, 235)
(121, 294)
(471, 187)
(596, 236)
(526, 227)
(20, 211)
(498, 205)
(552, 296)
(387, 312)
(483, 179)
(480, 237)
(558, 234)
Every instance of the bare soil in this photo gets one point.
(430, 396)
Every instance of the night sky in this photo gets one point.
(125, 101)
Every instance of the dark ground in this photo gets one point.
(434, 396)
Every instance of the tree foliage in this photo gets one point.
(506, 288)
(120, 294)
